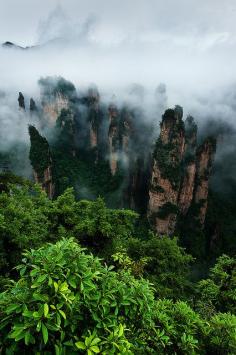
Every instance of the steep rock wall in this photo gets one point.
(180, 173)
(205, 156)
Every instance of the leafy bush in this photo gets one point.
(66, 300)
(29, 219)
(23, 223)
(219, 291)
(167, 264)
(180, 328)
(222, 335)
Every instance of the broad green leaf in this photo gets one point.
(95, 341)
(16, 332)
(55, 286)
(80, 345)
(63, 287)
(45, 333)
(95, 349)
(41, 278)
(27, 338)
(45, 309)
(121, 330)
(12, 308)
(34, 272)
(62, 313)
(38, 326)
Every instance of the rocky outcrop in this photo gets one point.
(41, 161)
(56, 94)
(45, 181)
(21, 101)
(93, 116)
(54, 106)
(113, 137)
(189, 166)
(186, 192)
(205, 156)
(126, 130)
(166, 173)
(180, 173)
(33, 107)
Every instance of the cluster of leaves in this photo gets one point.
(23, 222)
(166, 265)
(66, 302)
(218, 292)
(29, 219)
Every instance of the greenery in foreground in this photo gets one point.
(87, 285)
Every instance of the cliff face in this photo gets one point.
(56, 94)
(205, 155)
(166, 173)
(53, 107)
(93, 116)
(45, 181)
(189, 166)
(186, 192)
(180, 173)
(113, 137)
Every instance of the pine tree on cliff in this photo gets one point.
(40, 155)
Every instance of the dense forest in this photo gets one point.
(118, 239)
(77, 278)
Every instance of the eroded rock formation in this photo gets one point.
(93, 116)
(189, 166)
(53, 107)
(33, 107)
(113, 145)
(180, 172)
(21, 101)
(205, 155)
(113, 137)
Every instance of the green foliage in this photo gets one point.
(66, 129)
(28, 219)
(92, 223)
(221, 335)
(182, 330)
(167, 264)
(170, 168)
(23, 223)
(40, 155)
(218, 293)
(66, 299)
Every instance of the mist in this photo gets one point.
(114, 45)
(153, 54)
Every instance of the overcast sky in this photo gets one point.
(211, 21)
(188, 44)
